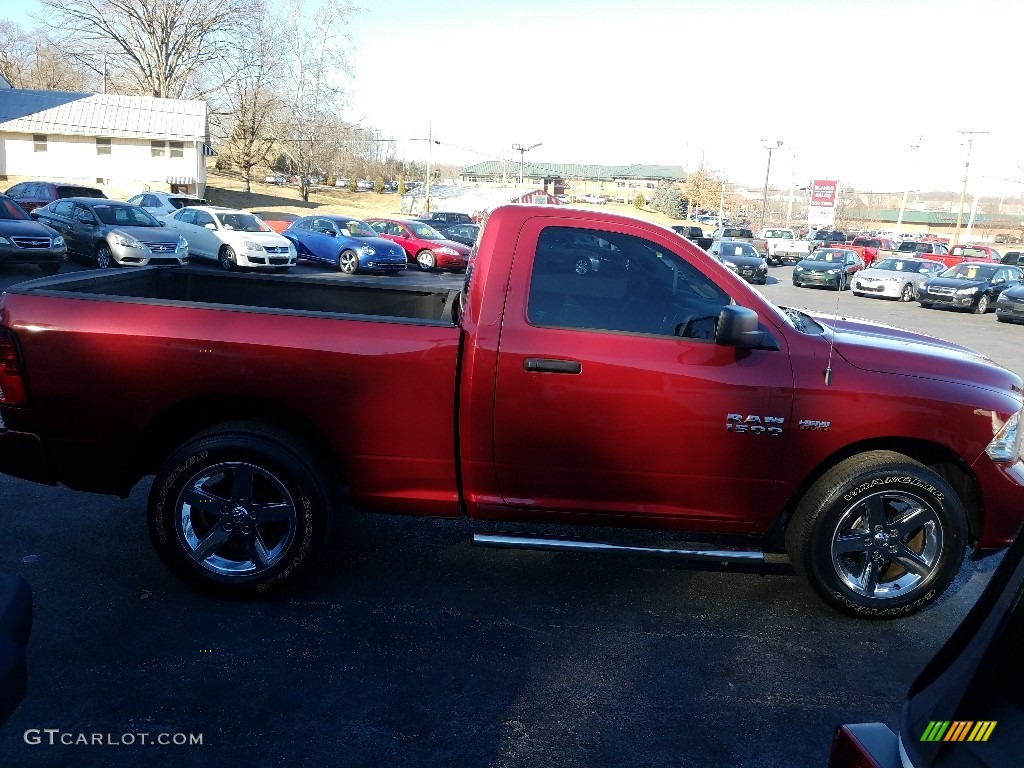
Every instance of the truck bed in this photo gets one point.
(288, 294)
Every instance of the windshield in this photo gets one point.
(913, 247)
(182, 202)
(970, 252)
(737, 249)
(11, 210)
(783, 233)
(125, 216)
(243, 222)
(971, 272)
(358, 228)
(425, 231)
(900, 265)
(827, 255)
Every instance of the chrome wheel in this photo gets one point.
(581, 266)
(227, 259)
(104, 258)
(348, 262)
(982, 306)
(235, 518)
(425, 259)
(886, 545)
(907, 294)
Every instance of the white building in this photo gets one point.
(121, 144)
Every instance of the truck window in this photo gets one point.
(617, 282)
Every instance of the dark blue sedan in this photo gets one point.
(350, 244)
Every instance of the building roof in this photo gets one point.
(101, 114)
(578, 171)
(938, 218)
(471, 200)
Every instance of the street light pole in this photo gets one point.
(768, 170)
(963, 190)
(522, 158)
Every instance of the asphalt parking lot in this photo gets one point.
(410, 647)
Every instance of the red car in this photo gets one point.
(958, 254)
(277, 221)
(423, 244)
(35, 194)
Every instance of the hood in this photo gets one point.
(883, 274)
(379, 244)
(263, 238)
(954, 282)
(886, 349)
(25, 227)
(821, 266)
(744, 261)
(148, 234)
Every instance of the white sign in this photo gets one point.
(821, 216)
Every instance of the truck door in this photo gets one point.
(611, 395)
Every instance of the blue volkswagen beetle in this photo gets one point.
(350, 244)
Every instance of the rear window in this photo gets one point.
(65, 191)
(182, 202)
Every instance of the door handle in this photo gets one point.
(547, 365)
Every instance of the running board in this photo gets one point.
(724, 556)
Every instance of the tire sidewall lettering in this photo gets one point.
(897, 480)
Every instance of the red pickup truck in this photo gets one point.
(651, 403)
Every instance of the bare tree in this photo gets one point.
(249, 100)
(29, 59)
(314, 62)
(159, 47)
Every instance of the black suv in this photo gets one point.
(825, 239)
(445, 218)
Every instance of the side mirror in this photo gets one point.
(34, 215)
(161, 222)
(210, 225)
(738, 327)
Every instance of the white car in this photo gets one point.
(231, 237)
(595, 199)
(162, 203)
(895, 278)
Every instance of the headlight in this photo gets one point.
(1005, 446)
(730, 265)
(5, 241)
(798, 268)
(834, 271)
(447, 251)
(57, 241)
(893, 279)
(252, 246)
(182, 243)
(126, 241)
(967, 291)
(368, 250)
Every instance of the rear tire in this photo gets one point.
(240, 510)
(878, 536)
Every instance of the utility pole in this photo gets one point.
(764, 200)
(522, 161)
(963, 190)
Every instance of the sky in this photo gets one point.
(873, 93)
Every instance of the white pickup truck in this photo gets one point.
(783, 246)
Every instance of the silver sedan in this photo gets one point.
(895, 278)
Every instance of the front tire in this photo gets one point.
(426, 260)
(240, 510)
(348, 262)
(907, 294)
(878, 536)
(104, 258)
(983, 304)
(227, 259)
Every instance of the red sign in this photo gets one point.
(823, 192)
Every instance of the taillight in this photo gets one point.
(865, 745)
(12, 385)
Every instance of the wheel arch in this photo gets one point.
(938, 458)
(186, 419)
